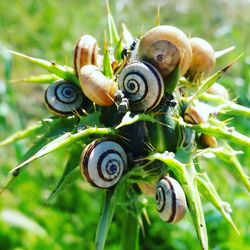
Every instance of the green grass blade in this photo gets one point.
(38, 79)
(64, 72)
(172, 82)
(186, 175)
(69, 176)
(64, 141)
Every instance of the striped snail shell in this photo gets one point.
(103, 163)
(86, 52)
(170, 200)
(193, 116)
(142, 84)
(96, 86)
(64, 98)
(166, 47)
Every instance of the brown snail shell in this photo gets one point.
(86, 52)
(103, 163)
(166, 47)
(207, 141)
(192, 116)
(170, 200)
(96, 86)
(203, 57)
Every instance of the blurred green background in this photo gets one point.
(49, 30)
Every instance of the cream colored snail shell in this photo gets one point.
(142, 84)
(170, 200)
(203, 57)
(63, 98)
(86, 52)
(166, 47)
(192, 116)
(96, 86)
(103, 163)
(218, 89)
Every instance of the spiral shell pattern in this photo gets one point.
(63, 98)
(170, 200)
(142, 84)
(86, 52)
(103, 163)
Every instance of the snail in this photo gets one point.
(203, 58)
(166, 47)
(63, 98)
(96, 86)
(142, 84)
(207, 141)
(103, 163)
(192, 116)
(218, 89)
(86, 52)
(170, 199)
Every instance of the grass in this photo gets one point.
(49, 29)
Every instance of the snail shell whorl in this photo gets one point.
(103, 163)
(170, 200)
(96, 86)
(86, 52)
(142, 84)
(63, 98)
(166, 47)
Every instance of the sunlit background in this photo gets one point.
(49, 29)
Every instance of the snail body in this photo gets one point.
(203, 58)
(142, 84)
(103, 163)
(63, 98)
(86, 52)
(170, 200)
(166, 47)
(96, 86)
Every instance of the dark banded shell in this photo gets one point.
(63, 98)
(170, 200)
(103, 163)
(86, 52)
(142, 84)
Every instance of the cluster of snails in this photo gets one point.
(142, 80)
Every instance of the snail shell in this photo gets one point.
(192, 116)
(170, 200)
(166, 47)
(208, 141)
(96, 86)
(218, 89)
(203, 57)
(103, 163)
(86, 52)
(63, 98)
(142, 84)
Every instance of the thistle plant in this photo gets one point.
(164, 138)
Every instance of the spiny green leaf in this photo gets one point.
(106, 64)
(207, 83)
(186, 175)
(118, 50)
(173, 80)
(36, 129)
(39, 79)
(64, 141)
(226, 106)
(221, 132)
(64, 72)
(207, 189)
(129, 119)
(113, 33)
